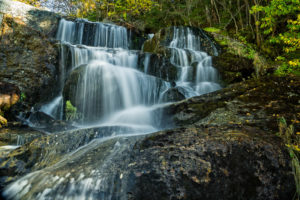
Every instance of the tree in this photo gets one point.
(280, 24)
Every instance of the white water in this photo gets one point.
(185, 52)
(110, 91)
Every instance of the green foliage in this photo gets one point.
(112, 10)
(281, 25)
(22, 97)
(71, 112)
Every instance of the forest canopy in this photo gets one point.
(272, 25)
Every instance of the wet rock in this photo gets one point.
(17, 134)
(185, 163)
(72, 83)
(171, 95)
(211, 163)
(48, 150)
(43, 122)
(158, 66)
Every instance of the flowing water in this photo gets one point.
(111, 92)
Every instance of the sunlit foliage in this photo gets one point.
(281, 24)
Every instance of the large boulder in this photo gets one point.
(224, 162)
(29, 54)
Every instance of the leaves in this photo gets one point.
(281, 24)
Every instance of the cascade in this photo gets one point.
(110, 92)
(186, 54)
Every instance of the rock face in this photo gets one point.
(211, 163)
(233, 68)
(28, 55)
(256, 102)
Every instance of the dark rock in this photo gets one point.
(136, 39)
(211, 163)
(158, 66)
(255, 102)
(171, 95)
(233, 68)
(43, 122)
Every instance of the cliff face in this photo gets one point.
(28, 50)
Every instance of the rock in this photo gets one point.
(71, 85)
(159, 66)
(171, 95)
(29, 53)
(211, 163)
(233, 68)
(240, 54)
(43, 122)
(39, 19)
(9, 95)
(18, 135)
(255, 102)
(48, 150)
(183, 163)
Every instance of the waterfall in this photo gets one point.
(110, 84)
(109, 80)
(101, 77)
(186, 54)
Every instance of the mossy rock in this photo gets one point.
(233, 68)
(71, 84)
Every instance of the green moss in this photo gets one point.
(22, 97)
(71, 111)
(212, 30)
